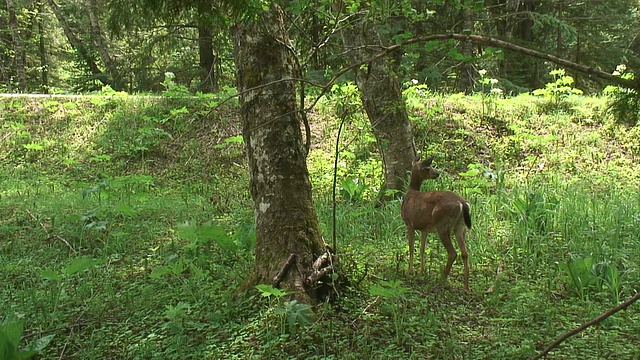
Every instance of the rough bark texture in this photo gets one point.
(18, 47)
(466, 70)
(382, 100)
(98, 41)
(44, 66)
(208, 80)
(286, 220)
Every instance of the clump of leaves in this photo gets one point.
(11, 331)
(291, 313)
(623, 103)
(557, 92)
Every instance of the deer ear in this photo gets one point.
(428, 162)
(416, 160)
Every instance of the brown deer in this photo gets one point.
(441, 212)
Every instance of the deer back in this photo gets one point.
(433, 211)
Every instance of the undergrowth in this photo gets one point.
(126, 226)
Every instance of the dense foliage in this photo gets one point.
(126, 226)
(72, 45)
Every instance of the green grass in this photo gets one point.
(129, 243)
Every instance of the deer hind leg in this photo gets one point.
(445, 237)
(411, 235)
(423, 243)
(460, 238)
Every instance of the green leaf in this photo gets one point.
(182, 110)
(80, 264)
(125, 210)
(238, 139)
(7, 348)
(39, 344)
(388, 289)
(268, 290)
(33, 146)
(50, 275)
(12, 330)
(160, 271)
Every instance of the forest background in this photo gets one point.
(127, 222)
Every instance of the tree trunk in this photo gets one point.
(44, 66)
(77, 44)
(466, 70)
(100, 45)
(286, 220)
(382, 100)
(18, 47)
(208, 80)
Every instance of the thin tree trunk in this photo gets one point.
(286, 221)
(44, 66)
(98, 41)
(208, 79)
(18, 47)
(382, 100)
(77, 44)
(466, 70)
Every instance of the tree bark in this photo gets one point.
(44, 66)
(18, 47)
(466, 70)
(381, 96)
(286, 220)
(208, 80)
(77, 44)
(98, 41)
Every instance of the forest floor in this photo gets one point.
(126, 227)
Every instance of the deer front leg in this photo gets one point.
(423, 244)
(411, 235)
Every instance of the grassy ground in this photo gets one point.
(125, 226)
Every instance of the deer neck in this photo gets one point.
(415, 182)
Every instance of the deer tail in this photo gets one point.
(466, 213)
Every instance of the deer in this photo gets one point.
(441, 212)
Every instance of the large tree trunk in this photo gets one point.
(382, 100)
(286, 220)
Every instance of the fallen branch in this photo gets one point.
(364, 311)
(287, 264)
(321, 267)
(55, 236)
(49, 236)
(591, 322)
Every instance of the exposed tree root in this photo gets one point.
(311, 280)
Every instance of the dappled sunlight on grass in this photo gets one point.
(129, 256)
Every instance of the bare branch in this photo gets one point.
(591, 322)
